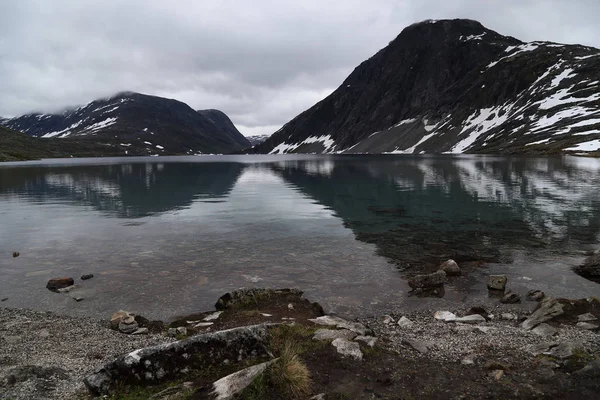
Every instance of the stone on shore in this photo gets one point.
(496, 282)
(152, 365)
(587, 317)
(548, 309)
(510, 298)
(128, 325)
(368, 340)
(544, 329)
(418, 345)
(405, 323)
(451, 268)
(117, 317)
(535, 295)
(428, 281)
(230, 385)
(446, 316)
(330, 320)
(59, 283)
(587, 326)
(347, 348)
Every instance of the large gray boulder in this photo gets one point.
(155, 364)
(428, 281)
(548, 309)
(590, 267)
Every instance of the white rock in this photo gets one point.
(508, 316)
(141, 331)
(266, 315)
(444, 316)
(227, 387)
(203, 324)
(368, 340)
(338, 322)
(470, 319)
(213, 316)
(405, 323)
(347, 348)
(587, 326)
(290, 306)
(387, 319)
(181, 330)
(469, 359)
(331, 334)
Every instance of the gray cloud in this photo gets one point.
(262, 62)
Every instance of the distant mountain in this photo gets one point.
(257, 139)
(137, 124)
(455, 86)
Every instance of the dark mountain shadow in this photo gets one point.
(125, 190)
(420, 211)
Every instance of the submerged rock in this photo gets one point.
(16, 254)
(510, 298)
(497, 282)
(535, 295)
(86, 277)
(59, 283)
(451, 268)
(428, 281)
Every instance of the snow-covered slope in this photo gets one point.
(454, 86)
(138, 124)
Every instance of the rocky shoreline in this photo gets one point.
(462, 353)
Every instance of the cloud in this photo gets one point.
(262, 62)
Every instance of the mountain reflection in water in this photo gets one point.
(167, 236)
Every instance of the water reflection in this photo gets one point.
(167, 238)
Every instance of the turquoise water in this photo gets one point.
(166, 236)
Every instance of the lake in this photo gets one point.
(166, 236)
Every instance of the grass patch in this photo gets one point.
(299, 334)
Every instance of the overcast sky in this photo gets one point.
(260, 61)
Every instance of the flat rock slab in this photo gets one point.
(330, 320)
(155, 364)
(347, 348)
(587, 326)
(331, 334)
(447, 316)
(587, 317)
(227, 387)
(549, 309)
(418, 345)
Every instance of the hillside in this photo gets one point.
(137, 124)
(454, 86)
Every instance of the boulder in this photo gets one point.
(590, 267)
(347, 348)
(451, 268)
(59, 283)
(548, 309)
(535, 295)
(152, 365)
(496, 282)
(428, 281)
(510, 298)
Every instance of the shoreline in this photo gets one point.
(67, 349)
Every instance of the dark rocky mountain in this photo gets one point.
(455, 86)
(137, 124)
(257, 139)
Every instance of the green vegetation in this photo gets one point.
(17, 146)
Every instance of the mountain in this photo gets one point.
(257, 139)
(455, 86)
(137, 124)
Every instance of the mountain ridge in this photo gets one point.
(137, 124)
(454, 86)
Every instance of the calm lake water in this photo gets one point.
(167, 236)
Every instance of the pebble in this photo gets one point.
(405, 323)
